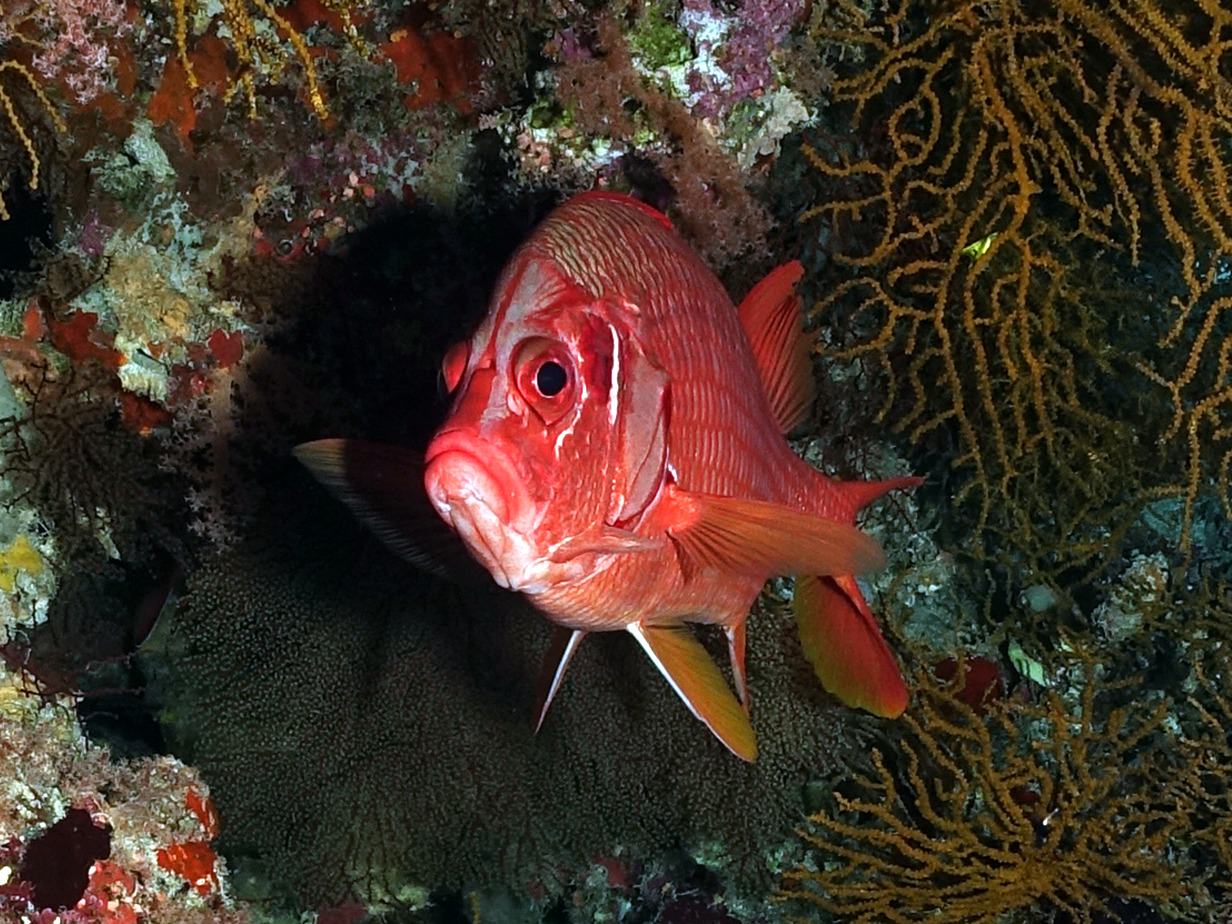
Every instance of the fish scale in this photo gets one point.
(710, 427)
(613, 453)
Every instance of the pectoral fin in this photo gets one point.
(383, 486)
(841, 639)
(564, 643)
(695, 678)
(763, 538)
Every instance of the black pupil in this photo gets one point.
(551, 379)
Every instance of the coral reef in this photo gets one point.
(87, 839)
(1015, 255)
(69, 44)
(718, 212)
(258, 50)
(238, 226)
(424, 709)
(18, 121)
(305, 638)
(96, 484)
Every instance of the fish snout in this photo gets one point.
(477, 490)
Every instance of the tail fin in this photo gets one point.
(837, 629)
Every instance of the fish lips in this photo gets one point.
(475, 489)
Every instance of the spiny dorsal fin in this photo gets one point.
(695, 678)
(771, 317)
(602, 195)
(842, 641)
(764, 538)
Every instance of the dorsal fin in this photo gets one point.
(610, 195)
(771, 317)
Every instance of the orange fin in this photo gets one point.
(772, 320)
(688, 668)
(760, 537)
(841, 639)
(564, 643)
(383, 486)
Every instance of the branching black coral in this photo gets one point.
(91, 480)
(1044, 806)
(1206, 722)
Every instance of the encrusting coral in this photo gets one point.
(256, 45)
(88, 840)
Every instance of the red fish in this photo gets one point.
(615, 452)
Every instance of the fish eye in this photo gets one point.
(543, 374)
(551, 378)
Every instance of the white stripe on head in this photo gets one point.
(613, 394)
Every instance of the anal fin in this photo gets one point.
(842, 641)
(735, 652)
(695, 678)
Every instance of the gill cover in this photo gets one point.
(641, 391)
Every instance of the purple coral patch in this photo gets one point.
(57, 863)
(693, 908)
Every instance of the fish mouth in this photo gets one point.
(475, 490)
